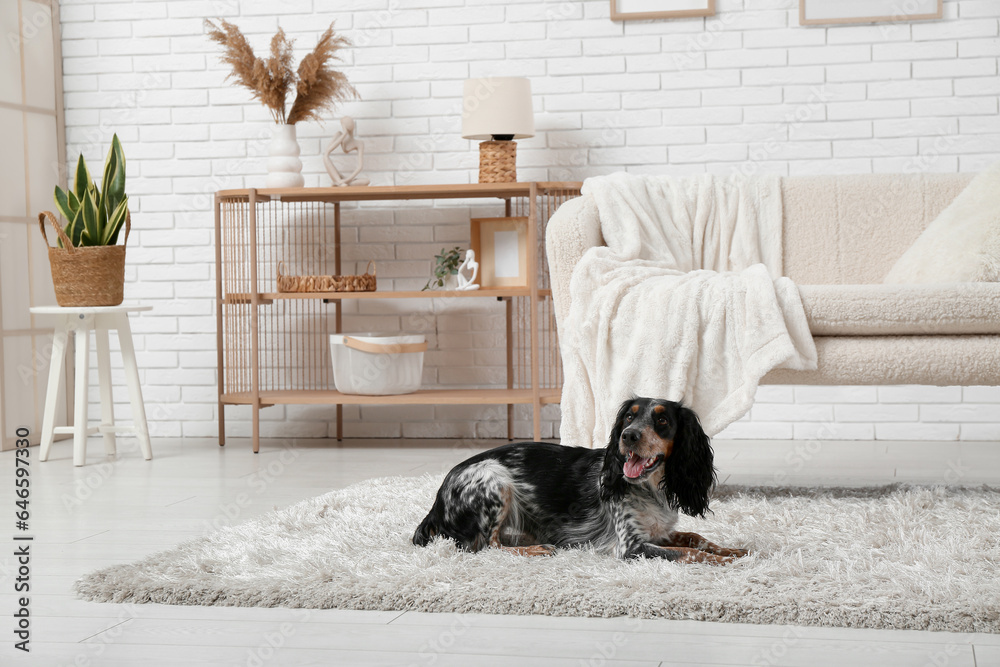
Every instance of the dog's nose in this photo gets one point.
(630, 436)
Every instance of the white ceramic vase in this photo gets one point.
(284, 168)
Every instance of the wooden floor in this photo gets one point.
(118, 510)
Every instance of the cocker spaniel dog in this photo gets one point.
(533, 497)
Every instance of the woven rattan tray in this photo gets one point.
(362, 283)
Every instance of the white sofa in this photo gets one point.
(841, 236)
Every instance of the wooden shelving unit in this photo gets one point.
(273, 346)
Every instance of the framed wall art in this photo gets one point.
(501, 247)
(826, 12)
(642, 10)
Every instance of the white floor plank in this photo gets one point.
(129, 655)
(986, 655)
(666, 626)
(466, 637)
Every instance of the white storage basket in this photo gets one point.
(377, 364)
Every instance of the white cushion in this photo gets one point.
(960, 245)
(902, 310)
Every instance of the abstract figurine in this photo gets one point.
(346, 141)
(468, 271)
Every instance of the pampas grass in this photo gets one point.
(318, 86)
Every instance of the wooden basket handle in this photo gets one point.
(384, 348)
(370, 267)
(128, 226)
(62, 234)
(59, 230)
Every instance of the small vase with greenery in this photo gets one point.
(445, 265)
(88, 267)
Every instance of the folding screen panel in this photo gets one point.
(32, 134)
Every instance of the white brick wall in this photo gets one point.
(747, 89)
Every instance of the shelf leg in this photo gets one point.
(254, 332)
(222, 424)
(536, 400)
(255, 429)
(220, 357)
(340, 423)
(510, 361)
(338, 313)
(510, 422)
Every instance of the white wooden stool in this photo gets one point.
(82, 321)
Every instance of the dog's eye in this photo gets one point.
(662, 421)
(628, 417)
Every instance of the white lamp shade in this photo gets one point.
(498, 105)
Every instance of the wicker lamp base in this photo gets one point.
(497, 162)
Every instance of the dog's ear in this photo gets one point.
(689, 473)
(613, 484)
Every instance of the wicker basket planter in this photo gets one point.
(362, 283)
(86, 275)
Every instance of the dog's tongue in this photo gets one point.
(634, 466)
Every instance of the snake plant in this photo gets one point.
(95, 215)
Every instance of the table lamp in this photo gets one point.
(497, 110)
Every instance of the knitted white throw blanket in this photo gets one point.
(686, 302)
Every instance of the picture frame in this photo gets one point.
(644, 10)
(833, 12)
(501, 247)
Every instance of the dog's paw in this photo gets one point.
(695, 556)
(533, 550)
(540, 550)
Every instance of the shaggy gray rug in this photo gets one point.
(890, 557)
